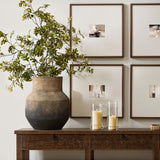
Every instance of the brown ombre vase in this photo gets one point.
(47, 107)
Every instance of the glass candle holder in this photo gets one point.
(96, 117)
(112, 115)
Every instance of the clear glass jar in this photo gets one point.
(112, 115)
(96, 117)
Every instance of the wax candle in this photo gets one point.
(112, 122)
(96, 120)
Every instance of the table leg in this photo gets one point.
(92, 154)
(89, 154)
(21, 154)
(25, 155)
(156, 147)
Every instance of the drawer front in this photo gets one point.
(133, 142)
(38, 142)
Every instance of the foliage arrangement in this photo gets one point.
(39, 52)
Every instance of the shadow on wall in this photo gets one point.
(99, 155)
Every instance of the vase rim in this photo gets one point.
(47, 77)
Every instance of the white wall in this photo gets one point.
(12, 104)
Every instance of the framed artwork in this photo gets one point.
(145, 30)
(106, 83)
(102, 26)
(145, 91)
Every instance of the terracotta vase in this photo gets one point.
(47, 107)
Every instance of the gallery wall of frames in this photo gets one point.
(103, 28)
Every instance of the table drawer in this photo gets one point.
(38, 142)
(122, 142)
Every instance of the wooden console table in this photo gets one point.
(85, 139)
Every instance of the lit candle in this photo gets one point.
(96, 120)
(112, 122)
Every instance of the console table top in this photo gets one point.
(88, 131)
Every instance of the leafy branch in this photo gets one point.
(39, 52)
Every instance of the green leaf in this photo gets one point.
(11, 35)
(11, 49)
(1, 34)
(27, 11)
(46, 5)
(10, 89)
(22, 4)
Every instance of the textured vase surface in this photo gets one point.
(47, 107)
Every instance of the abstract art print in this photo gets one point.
(96, 91)
(154, 30)
(154, 91)
(97, 31)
